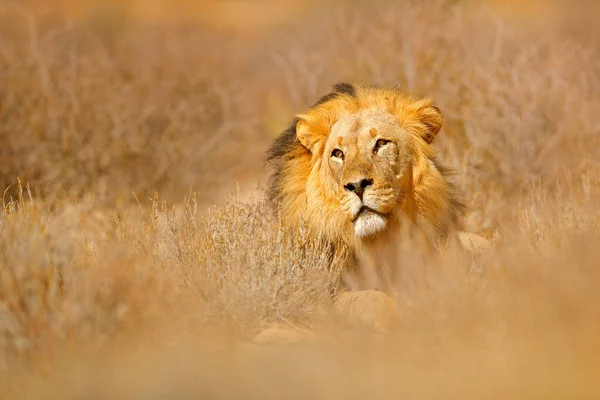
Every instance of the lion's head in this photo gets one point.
(359, 162)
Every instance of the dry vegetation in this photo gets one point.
(109, 291)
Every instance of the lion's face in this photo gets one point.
(366, 161)
(359, 165)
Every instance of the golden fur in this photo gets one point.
(357, 168)
(357, 136)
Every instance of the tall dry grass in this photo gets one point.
(110, 291)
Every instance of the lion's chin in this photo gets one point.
(369, 224)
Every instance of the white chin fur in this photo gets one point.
(368, 224)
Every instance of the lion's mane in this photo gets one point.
(431, 201)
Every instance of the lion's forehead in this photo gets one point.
(353, 128)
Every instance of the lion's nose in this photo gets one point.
(358, 187)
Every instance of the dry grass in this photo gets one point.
(108, 291)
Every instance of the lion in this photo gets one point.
(355, 169)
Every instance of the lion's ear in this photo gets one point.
(432, 120)
(306, 135)
(422, 118)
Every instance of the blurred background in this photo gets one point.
(110, 98)
(103, 104)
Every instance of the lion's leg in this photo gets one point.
(473, 243)
(369, 308)
(280, 333)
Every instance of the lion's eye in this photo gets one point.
(379, 144)
(337, 153)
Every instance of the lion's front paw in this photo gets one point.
(370, 308)
(279, 333)
(473, 243)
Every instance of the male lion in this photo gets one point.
(357, 167)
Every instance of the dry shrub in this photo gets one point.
(74, 276)
(278, 278)
(63, 279)
(166, 291)
(518, 322)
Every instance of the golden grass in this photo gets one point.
(109, 291)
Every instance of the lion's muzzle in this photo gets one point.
(365, 213)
